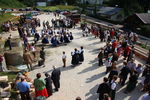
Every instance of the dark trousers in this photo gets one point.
(108, 69)
(25, 95)
(101, 96)
(123, 80)
(113, 93)
(57, 85)
(100, 62)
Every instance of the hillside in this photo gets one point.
(11, 4)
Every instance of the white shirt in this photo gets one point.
(113, 86)
(64, 56)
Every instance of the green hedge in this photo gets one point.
(11, 4)
(58, 7)
(145, 30)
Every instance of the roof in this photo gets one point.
(109, 10)
(144, 17)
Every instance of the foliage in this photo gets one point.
(145, 29)
(129, 6)
(5, 17)
(11, 4)
(58, 7)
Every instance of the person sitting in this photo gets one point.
(45, 40)
(54, 41)
(66, 39)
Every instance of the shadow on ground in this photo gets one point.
(92, 95)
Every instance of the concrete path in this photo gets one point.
(84, 79)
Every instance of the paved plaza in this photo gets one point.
(82, 80)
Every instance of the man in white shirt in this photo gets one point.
(113, 87)
(64, 59)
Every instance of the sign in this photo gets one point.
(41, 3)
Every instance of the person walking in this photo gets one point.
(64, 59)
(103, 88)
(113, 87)
(40, 87)
(27, 59)
(56, 78)
(48, 81)
(24, 89)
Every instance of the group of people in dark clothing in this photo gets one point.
(121, 45)
(77, 56)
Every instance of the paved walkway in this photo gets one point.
(84, 79)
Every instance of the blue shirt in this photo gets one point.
(23, 86)
(146, 97)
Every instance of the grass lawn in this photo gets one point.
(11, 75)
(58, 7)
(5, 17)
(11, 4)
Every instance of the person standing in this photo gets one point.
(124, 73)
(8, 43)
(113, 72)
(48, 81)
(81, 55)
(42, 56)
(113, 87)
(27, 59)
(103, 88)
(40, 86)
(56, 78)
(100, 57)
(64, 59)
(24, 89)
(75, 57)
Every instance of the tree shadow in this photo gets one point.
(95, 77)
(92, 95)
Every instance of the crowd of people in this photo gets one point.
(118, 45)
(43, 87)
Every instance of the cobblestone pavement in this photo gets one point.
(83, 80)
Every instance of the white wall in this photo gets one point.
(93, 1)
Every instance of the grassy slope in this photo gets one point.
(58, 7)
(5, 17)
(11, 4)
